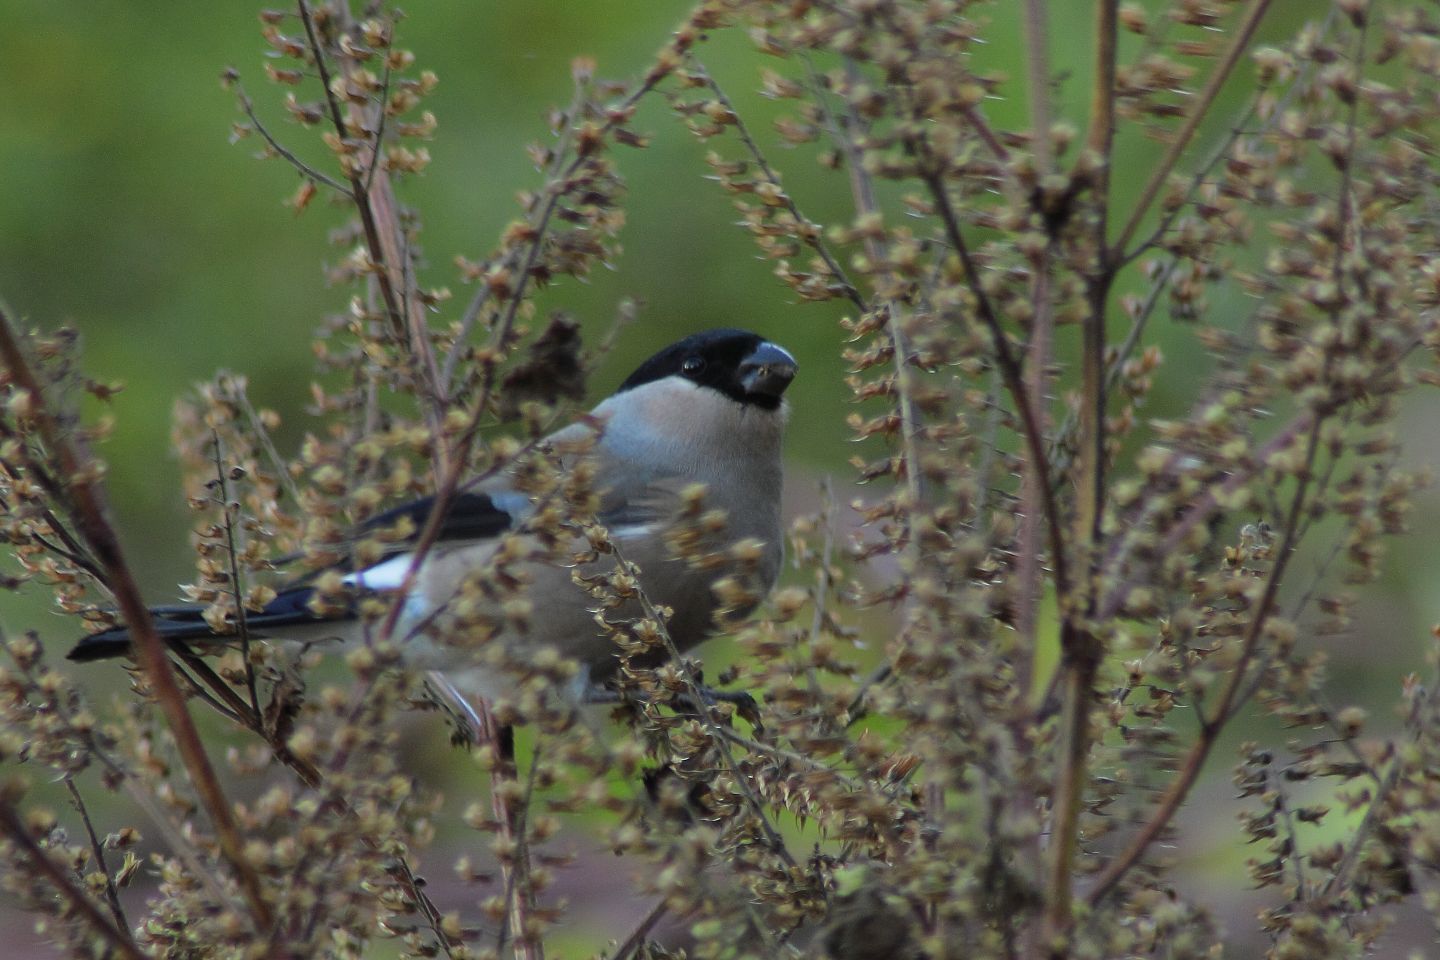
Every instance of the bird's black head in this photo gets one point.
(743, 366)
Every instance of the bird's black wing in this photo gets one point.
(470, 516)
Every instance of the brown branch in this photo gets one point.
(862, 190)
(312, 777)
(383, 115)
(413, 885)
(1198, 110)
(1081, 651)
(84, 496)
(987, 136)
(1339, 881)
(449, 482)
(1030, 569)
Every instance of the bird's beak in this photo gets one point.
(767, 371)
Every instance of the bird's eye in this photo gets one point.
(692, 365)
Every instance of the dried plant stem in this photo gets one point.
(1081, 652)
(116, 938)
(457, 462)
(72, 551)
(1231, 694)
(558, 174)
(1101, 135)
(238, 396)
(84, 496)
(1198, 111)
(373, 196)
(1077, 683)
(1030, 569)
(1199, 512)
(313, 778)
(823, 584)
(987, 136)
(413, 885)
(862, 190)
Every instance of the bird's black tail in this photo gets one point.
(186, 626)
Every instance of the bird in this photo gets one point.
(701, 422)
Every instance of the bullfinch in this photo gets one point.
(683, 467)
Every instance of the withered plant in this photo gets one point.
(1010, 642)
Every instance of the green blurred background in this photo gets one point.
(126, 213)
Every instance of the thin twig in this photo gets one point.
(379, 137)
(359, 195)
(242, 622)
(823, 584)
(742, 782)
(1198, 111)
(613, 118)
(1200, 511)
(241, 399)
(215, 703)
(1100, 140)
(1079, 648)
(97, 850)
(1030, 570)
(458, 461)
(1037, 73)
(1038, 351)
(812, 238)
(632, 943)
(1227, 701)
(1010, 373)
(1339, 881)
(305, 169)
